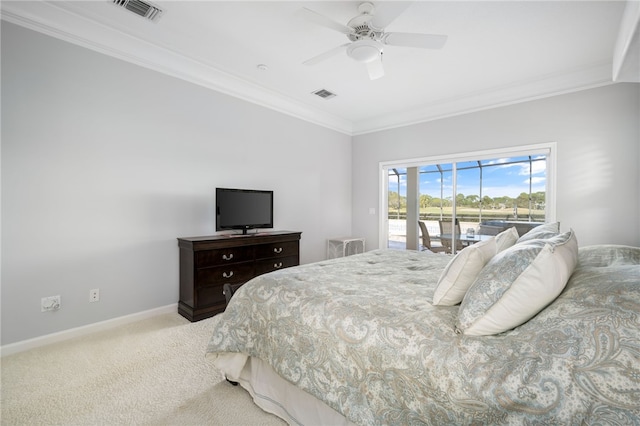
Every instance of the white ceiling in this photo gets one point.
(497, 53)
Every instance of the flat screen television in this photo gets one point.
(243, 209)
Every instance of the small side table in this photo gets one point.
(344, 246)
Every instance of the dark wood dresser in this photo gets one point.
(208, 263)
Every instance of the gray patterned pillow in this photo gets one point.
(516, 284)
(547, 230)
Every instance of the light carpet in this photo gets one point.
(152, 372)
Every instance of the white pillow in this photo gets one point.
(517, 284)
(461, 271)
(547, 230)
(506, 239)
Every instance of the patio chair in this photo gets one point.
(447, 228)
(426, 239)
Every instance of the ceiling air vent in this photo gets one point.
(141, 8)
(324, 94)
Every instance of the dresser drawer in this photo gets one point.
(221, 275)
(210, 295)
(264, 266)
(223, 256)
(266, 251)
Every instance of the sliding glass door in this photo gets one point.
(463, 201)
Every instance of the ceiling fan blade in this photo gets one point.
(322, 20)
(375, 68)
(387, 12)
(321, 57)
(424, 41)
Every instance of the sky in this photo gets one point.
(498, 178)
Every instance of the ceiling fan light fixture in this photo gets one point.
(364, 50)
(367, 36)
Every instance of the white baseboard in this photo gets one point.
(60, 336)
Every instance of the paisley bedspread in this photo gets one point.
(360, 333)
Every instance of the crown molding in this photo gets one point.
(68, 26)
(523, 91)
(52, 19)
(626, 56)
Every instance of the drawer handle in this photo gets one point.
(277, 265)
(227, 274)
(277, 250)
(229, 257)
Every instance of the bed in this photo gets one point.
(359, 340)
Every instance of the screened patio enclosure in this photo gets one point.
(483, 195)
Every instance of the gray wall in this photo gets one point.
(105, 163)
(597, 133)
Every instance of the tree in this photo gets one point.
(396, 202)
(437, 202)
(523, 200)
(538, 200)
(472, 201)
(425, 200)
(504, 201)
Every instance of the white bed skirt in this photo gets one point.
(274, 394)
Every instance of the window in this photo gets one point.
(483, 191)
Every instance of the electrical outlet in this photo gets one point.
(51, 303)
(94, 295)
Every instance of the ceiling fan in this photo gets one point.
(367, 36)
